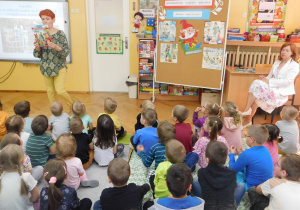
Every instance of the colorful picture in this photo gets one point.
(41, 35)
(109, 44)
(212, 58)
(168, 53)
(214, 32)
(187, 39)
(167, 31)
(149, 4)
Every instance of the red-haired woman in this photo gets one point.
(53, 59)
(273, 91)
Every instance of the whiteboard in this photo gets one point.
(17, 17)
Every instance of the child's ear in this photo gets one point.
(109, 180)
(207, 159)
(189, 188)
(283, 173)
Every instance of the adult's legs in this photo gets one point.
(248, 118)
(49, 82)
(250, 100)
(59, 83)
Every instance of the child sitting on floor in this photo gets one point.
(79, 110)
(66, 150)
(3, 117)
(179, 182)
(183, 130)
(22, 108)
(257, 160)
(282, 191)
(122, 196)
(58, 121)
(289, 130)
(147, 104)
(85, 146)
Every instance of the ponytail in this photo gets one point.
(55, 197)
(233, 112)
(274, 132)
(216, 125)
(280, 139)
(213, 135)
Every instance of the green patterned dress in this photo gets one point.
(52, 60)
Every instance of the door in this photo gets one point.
(110, 18)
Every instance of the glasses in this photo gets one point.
(248, 136)
(278, 164)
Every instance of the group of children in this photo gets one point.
(29, 152)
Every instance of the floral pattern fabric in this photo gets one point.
(52, 60)
(27, 164)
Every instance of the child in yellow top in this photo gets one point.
(3, 117)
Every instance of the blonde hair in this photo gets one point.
(180, 112)
(260, 133)
(147, 104)
(212, 108)
(78, 108)
(11, 158)
(110, 105)
(14, 124)
(175, 151)
(56, 108)
(66, 145)
(76, 125)
(289, 113)
(10, 138)
(233, 111)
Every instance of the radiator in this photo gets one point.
(250, 59)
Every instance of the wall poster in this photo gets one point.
(109, 44)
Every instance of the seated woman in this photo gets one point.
(272, 91)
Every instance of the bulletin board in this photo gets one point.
(191, 42)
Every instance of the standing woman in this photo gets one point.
(273, 91)
(53, 59)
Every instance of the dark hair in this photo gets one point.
(212, 108)
(175, 151)
(294, 51)
(55, 168)
(105, 132)
(180, 112)
(179, 179)
(216, 152)
(290, 163)
(165, 131)
(140, 14)
(22, 108)
(216, 125)
(39, 125)
(14, 124)
(10, 138)
(149, 115)
(274, 132)
(118, 171)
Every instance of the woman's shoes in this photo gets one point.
(248, 112)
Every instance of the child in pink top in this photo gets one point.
(212, 125)
(272, 142)
(66, 150)
(232, 129)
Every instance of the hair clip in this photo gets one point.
(82, 104)
(65, 169)
(52, 180)
(46, 173)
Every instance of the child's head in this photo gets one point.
(10, 138)
(213, 125)
(231, 110)
(78, 108)
(289, 113)
(165, 131)
(148, 117)
(76, 125)
(179, 179)
(147, 104)
(180, 113)
(258, 134)
(56, 108)
(39, 125)
(110, 105)
(22, 108)
(105, 132)
(175, 151)
(55, 173)
(273, 132)
(14, 124)
(288, 167)
(216, 152)
(211, 108)
(118, 172)
(66, 146)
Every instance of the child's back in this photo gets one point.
(83, 140)
(289, 130)
(147, 137)
(3, 117)
(232, 133)
(59, 125)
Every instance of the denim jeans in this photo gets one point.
(97, 205)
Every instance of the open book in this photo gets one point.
(42, 35)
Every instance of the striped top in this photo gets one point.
(157, 152)
(37, 149)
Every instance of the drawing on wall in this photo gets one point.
(149, 4)
(109, 44)
(187, 39)
(167, 31)
(212, 58)
(168, 53)
(214, 32)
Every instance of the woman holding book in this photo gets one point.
(53, 59)
(273, 91)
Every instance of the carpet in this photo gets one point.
(126, 139)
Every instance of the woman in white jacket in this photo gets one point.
(272, 91)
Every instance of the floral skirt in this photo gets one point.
(266, 98)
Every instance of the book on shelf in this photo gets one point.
(149, 85)
(188, 93)
(233, 30)
(164, 90)
(146, 71)
(41, 35)
(176, 90)
(146, 75)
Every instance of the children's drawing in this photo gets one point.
(187, 39)
(149, 4)
(168, 53)
(214, 32)
(167, 31)
(212, 58)
(109, 44)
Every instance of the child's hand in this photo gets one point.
(140, 148)
(233, 149)
(198, 109)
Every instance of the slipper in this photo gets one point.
(248, 112)
(89, 183)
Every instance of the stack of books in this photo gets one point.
(190, 91)
(146, 48)
(164, 89)
(175, 90)
(145, 68)
(147, 87)
(233, 34)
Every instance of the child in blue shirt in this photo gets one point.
(257, 160)
(146, 136)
